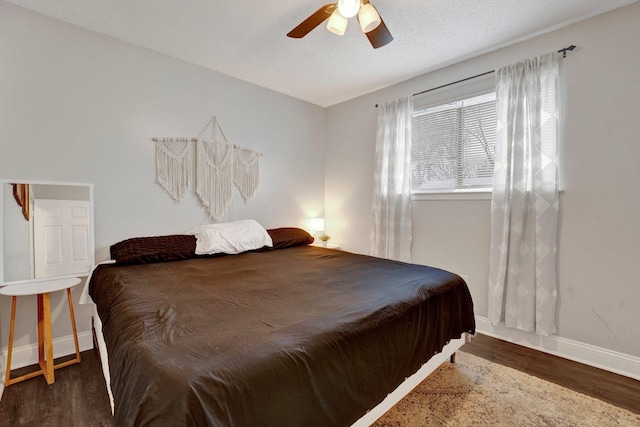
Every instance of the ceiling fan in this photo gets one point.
(339, 13)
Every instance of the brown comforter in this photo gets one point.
(302, 336)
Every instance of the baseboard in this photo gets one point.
(27, 355)
(609, 360)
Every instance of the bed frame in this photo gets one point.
(447, 353)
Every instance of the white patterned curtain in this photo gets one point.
(391, 230)
(524, 205)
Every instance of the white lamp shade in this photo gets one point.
(316, 224)
(337, 23)
(348, 8)
(369, 18)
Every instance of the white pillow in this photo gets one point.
(230, 237)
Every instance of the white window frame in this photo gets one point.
(442, 94)
(459, 193)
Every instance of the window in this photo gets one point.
(453, 145)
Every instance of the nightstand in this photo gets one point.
(45, 345)
(328, 245)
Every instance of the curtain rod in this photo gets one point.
(564, 55)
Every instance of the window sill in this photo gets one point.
(453, 195)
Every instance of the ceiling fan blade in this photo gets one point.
(317, 18)
(379, 36)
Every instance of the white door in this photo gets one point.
(61, 237)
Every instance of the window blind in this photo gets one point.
(453, 145)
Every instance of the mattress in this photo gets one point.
(297, 336)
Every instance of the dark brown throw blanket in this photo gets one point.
(302, 336)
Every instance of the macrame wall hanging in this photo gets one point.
(174, 158)
(219, 166)
(246, 172)
(214, 171)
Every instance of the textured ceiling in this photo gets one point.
(247, 39)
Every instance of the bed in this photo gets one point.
(289, 335)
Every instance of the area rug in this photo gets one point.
(476, 392)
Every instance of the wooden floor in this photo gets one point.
(612, 388)
(79, 397)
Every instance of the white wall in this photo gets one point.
(599, 249)
(76, 106)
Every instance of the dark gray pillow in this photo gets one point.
(145, 250)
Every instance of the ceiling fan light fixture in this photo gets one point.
(369, 18)
(370, 21)
(348, 8)
(337, 23)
